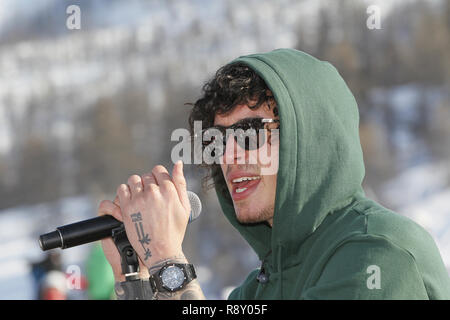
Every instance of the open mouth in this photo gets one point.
(243, 186)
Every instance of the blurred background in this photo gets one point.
(83, 109)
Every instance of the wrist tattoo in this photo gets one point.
(120, 293)
(133, 290)
(191, 291)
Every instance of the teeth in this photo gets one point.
(245, 179)
(239, 190)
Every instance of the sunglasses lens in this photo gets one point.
(249, 135)
(212, 145)
(250, 139)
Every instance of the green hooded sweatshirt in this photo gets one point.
(328, 241)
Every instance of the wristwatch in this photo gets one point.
(172, 277)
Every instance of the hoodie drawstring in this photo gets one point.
(263, 276)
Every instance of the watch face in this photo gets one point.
(172, 277)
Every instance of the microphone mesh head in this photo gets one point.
(196, 205)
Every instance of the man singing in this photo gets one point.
(316, 233)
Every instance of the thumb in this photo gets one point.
(180, 184)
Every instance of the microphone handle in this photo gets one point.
(79, 233)
(88, 231)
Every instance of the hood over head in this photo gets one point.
(321, 164)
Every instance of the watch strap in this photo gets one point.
(190, 272)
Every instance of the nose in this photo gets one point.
(233, 153)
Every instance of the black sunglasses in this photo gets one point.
(247, 133)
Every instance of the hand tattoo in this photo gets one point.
(144, 238)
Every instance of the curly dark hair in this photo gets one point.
(232, 85)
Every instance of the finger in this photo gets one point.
(107, 207)
(149, 182)
(135, 183)
(117, 208)
(163, 179)
(180, 184)
(117, 201)
(124, 194)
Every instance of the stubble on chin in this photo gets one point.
(248, 216)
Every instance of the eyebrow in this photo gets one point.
(237, 122)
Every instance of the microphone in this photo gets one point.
(97, 228)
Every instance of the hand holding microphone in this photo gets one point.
(155, 210)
